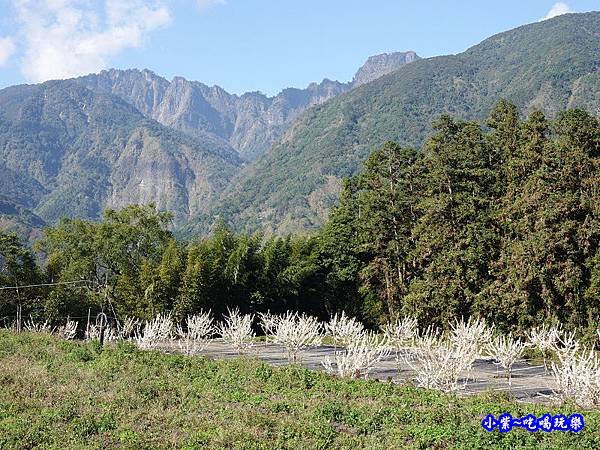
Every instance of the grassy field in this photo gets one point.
(59, 394)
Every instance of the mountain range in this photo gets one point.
(549, 65)
(69, 151)
(75, 147)
(249, 123)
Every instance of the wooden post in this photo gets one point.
(19, 306)
(19, 318)
(101, 323)
(87, 327)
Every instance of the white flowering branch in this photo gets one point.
(31, 325)
(360, 357)
(577, 377)
(129, 328)
(343, 329)
(237, 331)
(473, 333)
(196, 335)
(68, 330)
(155, 331)
(400, 334)
(268, 323)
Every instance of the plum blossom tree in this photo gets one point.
(577, 377)
(68, 330)
(295, 332)
(360, 356)
(155, 331)
(506, 350)
(439, 362)
(236, 330)
(343, 329)
(197, 332)
(544, 338)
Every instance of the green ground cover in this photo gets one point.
(60, 394)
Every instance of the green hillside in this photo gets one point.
(551, 65)
(68, 151)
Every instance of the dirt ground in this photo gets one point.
(530, 383)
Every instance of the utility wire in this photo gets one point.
(43, 284)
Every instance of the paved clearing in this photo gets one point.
(529, 383)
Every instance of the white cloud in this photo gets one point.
(7, 48)
(557, 9)
(203, 4)
(67, 38)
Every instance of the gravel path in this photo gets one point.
(529, 383)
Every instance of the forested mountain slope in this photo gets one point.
(74, 147)
(68, 151)
(549, 65)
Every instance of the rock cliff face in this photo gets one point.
(75, 147)
(71, 151)
(380, 65)
(249, 123)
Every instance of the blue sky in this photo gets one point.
(244, 45)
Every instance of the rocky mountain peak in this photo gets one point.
(249, 123)
(379, 65)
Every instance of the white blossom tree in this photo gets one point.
(295, 332)
(343, 329)
(401, 335)
(197, 332)
(359, 357)
(506, 350)
(577, 377)
(439, 362)
(268, 322)
(401, 332)
(68, 330)
(129, 328)
(155, 331)
(110, 333)
(544, 338)
(236, 330)
(472, 333)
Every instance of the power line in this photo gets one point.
(43, 284)
(4, 318)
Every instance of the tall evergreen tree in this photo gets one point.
(387, 201)
(454, 235)
(549, 224)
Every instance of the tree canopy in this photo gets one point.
(499, 221)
